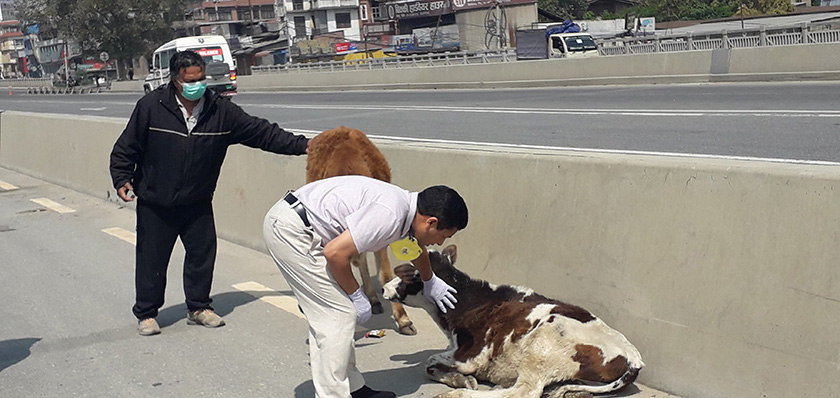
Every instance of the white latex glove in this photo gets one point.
(362, 304)
(438, 292)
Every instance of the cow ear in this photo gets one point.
(451, 251)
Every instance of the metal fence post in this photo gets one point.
(804, 33)
(762, 36)
(658, 47)
(724, 42)
(689, 41)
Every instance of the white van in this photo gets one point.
(220, 69)
(572, 45)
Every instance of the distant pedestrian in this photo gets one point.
(170, 154)
(130, 73)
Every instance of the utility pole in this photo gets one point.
(66, 68)
(251, 18)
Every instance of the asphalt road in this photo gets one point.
(66, 288)
(779, 121)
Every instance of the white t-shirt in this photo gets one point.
(376, 213)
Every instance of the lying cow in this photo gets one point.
(516, 339)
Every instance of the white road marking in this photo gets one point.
(123, 234)
(285, 303)
(7, 187)
(93, 109)
(56, 207)
(552, 111)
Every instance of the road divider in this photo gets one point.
(696, 260)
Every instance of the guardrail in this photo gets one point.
(398, 62)
(803, 33)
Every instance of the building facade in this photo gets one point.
(12, 50)
(8, 12)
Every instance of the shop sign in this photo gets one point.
(419, 9)
(458, 5)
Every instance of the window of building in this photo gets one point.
(375, 12)
(225, 15)
(267, 13)
(342, 20)
(297, 5)
(363, 12)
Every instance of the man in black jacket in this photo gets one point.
(170, 154)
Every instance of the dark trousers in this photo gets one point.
(157, 230)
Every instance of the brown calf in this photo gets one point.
(345, 151)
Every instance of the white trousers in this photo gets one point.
(299, 253)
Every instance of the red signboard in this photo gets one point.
(209, 52)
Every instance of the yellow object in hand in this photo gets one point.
(406, 249)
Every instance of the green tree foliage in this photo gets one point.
(569, 9)
(123, 28)
(675, 10)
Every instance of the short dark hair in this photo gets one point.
(444, 203)
(182, 60)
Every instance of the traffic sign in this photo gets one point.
(104, 56)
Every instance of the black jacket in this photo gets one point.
(168, 166)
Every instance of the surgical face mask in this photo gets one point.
(193, 91)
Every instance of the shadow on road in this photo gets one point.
(14, 351)
(403, 381)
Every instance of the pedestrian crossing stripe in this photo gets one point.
(54, 206)
(6, 186)
(285, 303)
(123, 234)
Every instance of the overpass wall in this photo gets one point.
(722, 272)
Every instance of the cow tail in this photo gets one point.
(628, 377)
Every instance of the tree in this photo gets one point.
(569, 9)
(124, 28)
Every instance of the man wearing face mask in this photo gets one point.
(170, 155)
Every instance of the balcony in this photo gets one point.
(320, 4)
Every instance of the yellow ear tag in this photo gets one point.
(406, 249)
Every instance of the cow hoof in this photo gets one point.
(408, 330)
(376, 308)
(471, 383)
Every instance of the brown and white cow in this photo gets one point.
(345, 151)
(517, 339)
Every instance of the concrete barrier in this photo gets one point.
(780, 63)
(802, 62)
(722, 272)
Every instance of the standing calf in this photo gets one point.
(516, 339)
(345, 151)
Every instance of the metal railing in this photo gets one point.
(804, 33)
(405, 61)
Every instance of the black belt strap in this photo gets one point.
(297, 206)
